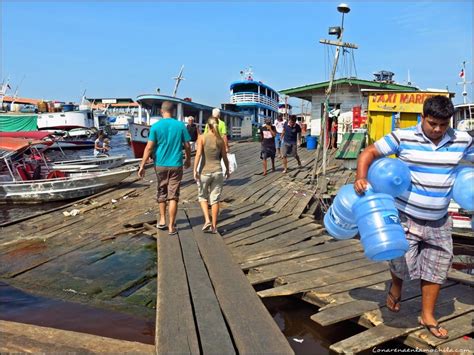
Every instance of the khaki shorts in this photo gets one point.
(169, 181)
(210, 188)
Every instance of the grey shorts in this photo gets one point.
(290, 150)
(430, 250)
(169, 181)
(210, 188)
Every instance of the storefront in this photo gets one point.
(389, 110)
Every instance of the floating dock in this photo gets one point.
(104, 251)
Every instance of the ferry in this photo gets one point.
(254, 98)
(149, 113)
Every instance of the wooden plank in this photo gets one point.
(27, 338)
(464, 345)
(269, 233)
(175, 327)
(213, 335)
(327, 278)
(257, 225)
(285, 253)
(270, 272)
(406, 321)
(252, 327)
(461, 277)
(247, 252)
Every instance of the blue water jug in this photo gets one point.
(311, 142)
(463, 189)
(389, 176)
(339, 220)
(381, 234)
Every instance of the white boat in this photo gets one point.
(121, 122)
(66, 120)
(21, 185)
(100, 162)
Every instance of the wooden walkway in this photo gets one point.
(106, 256)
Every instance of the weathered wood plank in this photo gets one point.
(252, 327)
(27, 338)
(175, 327)
(213, 335)
(406, 321)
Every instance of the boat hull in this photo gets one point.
(138, 138)
(61, 189)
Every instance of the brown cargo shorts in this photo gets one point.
(169, 181)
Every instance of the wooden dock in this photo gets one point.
(106, 256)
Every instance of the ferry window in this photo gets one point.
(245, 88)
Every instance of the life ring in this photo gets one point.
(55, 174)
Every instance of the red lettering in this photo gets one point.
(381, 98)
(391, 98)
(404, 98)
(419, 99)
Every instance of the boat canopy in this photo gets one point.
(15, 123)
(10, 146)
(27, 134)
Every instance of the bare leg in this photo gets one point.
(273, 164)
(173, 209)
(264, 166)
(298, 160)
(285, 164)
(215, 213)
(162, 206)
(395, 293)
(205, 212)
(429, 295)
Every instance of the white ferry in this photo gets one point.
(254, 98)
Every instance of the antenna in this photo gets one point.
(178, 79)
(464, 83)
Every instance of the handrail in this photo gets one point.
(254, 98)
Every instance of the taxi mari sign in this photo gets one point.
(400, 101)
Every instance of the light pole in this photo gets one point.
(338, 31)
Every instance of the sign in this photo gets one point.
(109, 101)
(400, 101)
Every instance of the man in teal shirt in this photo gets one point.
(166, 140)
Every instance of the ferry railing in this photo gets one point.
(254, 98)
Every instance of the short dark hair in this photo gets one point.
(293, 119)
(167, 106)
(438, 106)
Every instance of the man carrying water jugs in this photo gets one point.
(432, 150)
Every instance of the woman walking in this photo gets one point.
(208, 172)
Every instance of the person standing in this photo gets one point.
(193, 131)
(333, 143)
(99, 144)
(432, 150)
(267, 137)
(166, 140)
(279, 124)
(291, 137)
(208, 172)
(216, 113)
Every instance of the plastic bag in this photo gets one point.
(232, 163)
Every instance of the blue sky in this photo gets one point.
(123, 49)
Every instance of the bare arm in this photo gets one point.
(197, 158)
(146, 154)
(226, 161)
(226, 143)
(187, 155)
(363, 163)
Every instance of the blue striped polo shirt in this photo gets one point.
(432, 168)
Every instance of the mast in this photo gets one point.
(178, 79)
(464, 83)
(344, 9)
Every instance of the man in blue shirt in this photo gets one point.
(291, 138)
(166, 140)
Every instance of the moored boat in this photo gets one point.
(26, 180)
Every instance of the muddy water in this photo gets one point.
(18, 306)
(291, 315)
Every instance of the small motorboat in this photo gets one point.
(26, 176)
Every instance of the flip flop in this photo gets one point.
(173, 232)
(206, 226)
(437, 327)
(395, 300)
(161, 226)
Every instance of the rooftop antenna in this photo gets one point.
(178, 79)
(464, 83)
(247, 73)
(3, 90)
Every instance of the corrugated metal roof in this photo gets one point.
(348, 81)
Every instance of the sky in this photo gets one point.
(56, 50)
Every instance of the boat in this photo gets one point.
(463, 118)
(46, 138)
(26, 180)
(120, 122)
(254, 98)
(99, 162)
(66, 120)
